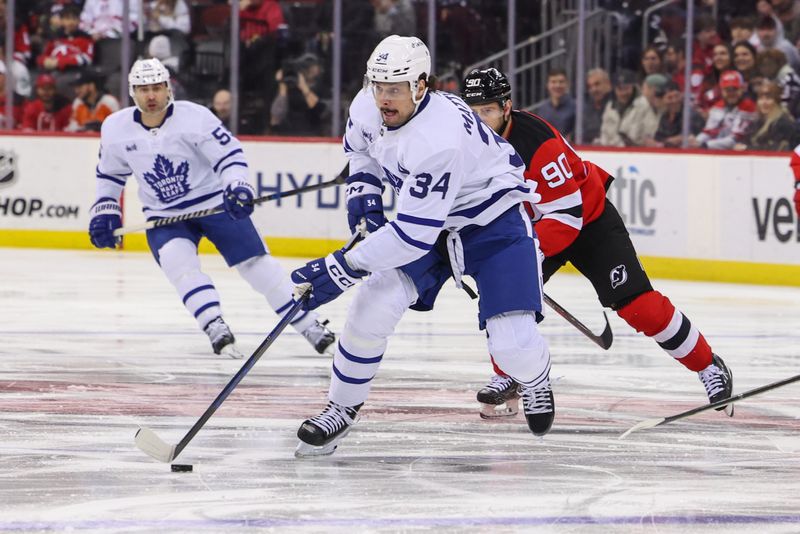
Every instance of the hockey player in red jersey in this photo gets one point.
(576, 223)
(794, 163)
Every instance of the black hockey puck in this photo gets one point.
(181, 468)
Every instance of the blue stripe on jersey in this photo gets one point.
(186, 203)
(203, 308)
(232, 164)
(357, 359)
(413, 242)
(349, 380)
(474, 211)
(402, 217)
(226, 156)
(118, 181)
(347, 147)
(198, 289)
(284, 307)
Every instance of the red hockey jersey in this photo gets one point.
(573, 191)
(70, 50)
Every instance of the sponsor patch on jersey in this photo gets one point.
(618, 276)
(169, 182)
(8, 168)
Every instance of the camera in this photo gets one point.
(289, 69)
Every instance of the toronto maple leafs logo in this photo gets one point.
(168, 182)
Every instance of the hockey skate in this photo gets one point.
(718, 381)
(499, 398)
(320, 435)
(222, 340)
(320, 337)
(539, 407)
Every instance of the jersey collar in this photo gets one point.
(137, 116)
(425, 100)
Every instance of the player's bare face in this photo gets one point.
(394, 102)
(491, 114)
(152, 98)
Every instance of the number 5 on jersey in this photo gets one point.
(557, 172)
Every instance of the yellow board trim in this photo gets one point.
(674, 268)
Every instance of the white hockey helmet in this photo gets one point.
(400, 59)
(148, 72)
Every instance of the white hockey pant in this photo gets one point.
(180, 263)
(378, 305)
(518, 347)
(266, 276)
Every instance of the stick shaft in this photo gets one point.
(605, 338)
(340, 179)
(731, 400)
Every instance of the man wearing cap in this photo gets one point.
(730, 118)
(50, 111)
(653, 90)
(92, 105)
(623, 118)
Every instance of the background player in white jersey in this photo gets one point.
(459, 187)
(185, 160)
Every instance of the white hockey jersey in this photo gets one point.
(182, 166)
(448, 169)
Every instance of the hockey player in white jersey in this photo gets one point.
(460, 193)
(185, 160)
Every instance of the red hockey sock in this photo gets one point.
(654, 315)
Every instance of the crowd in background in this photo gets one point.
(745, 87)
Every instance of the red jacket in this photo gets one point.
(260, 21)
(70, 50)
(573, 191)
(36, 118)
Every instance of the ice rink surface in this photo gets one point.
(95, 344)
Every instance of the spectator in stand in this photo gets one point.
(598, 89)
(91, 105)
(705, 37)
(221, 107)
(17, 105)
(767, 30)
(394, 17)
(168, 16)
(653, 90)
(20, 74)
(102, 19)
(258, 20)
(675, 64)
(559, 108)
(160, 47)
(22, 38)
(50, 111)
(772, 66)
(730, 119)
(670, 127)
(744, 59)
(744, 29)
(722, 60)
(298, 108)
(651, 62)
(774, 129)
(788, 13)
(623, 116)
(71, 48)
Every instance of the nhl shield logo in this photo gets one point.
(618, 276)
(8, 168)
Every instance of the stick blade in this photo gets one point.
(647, 423)
(607, 337)
(153, 446)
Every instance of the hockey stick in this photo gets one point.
(650, 423)
(149, 442)
(155, 223)
(605, 338)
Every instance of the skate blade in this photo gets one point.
(231, 352)
(510, 408)
(305, 450)
(729, 410)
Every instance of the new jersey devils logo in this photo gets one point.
(618, 276)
